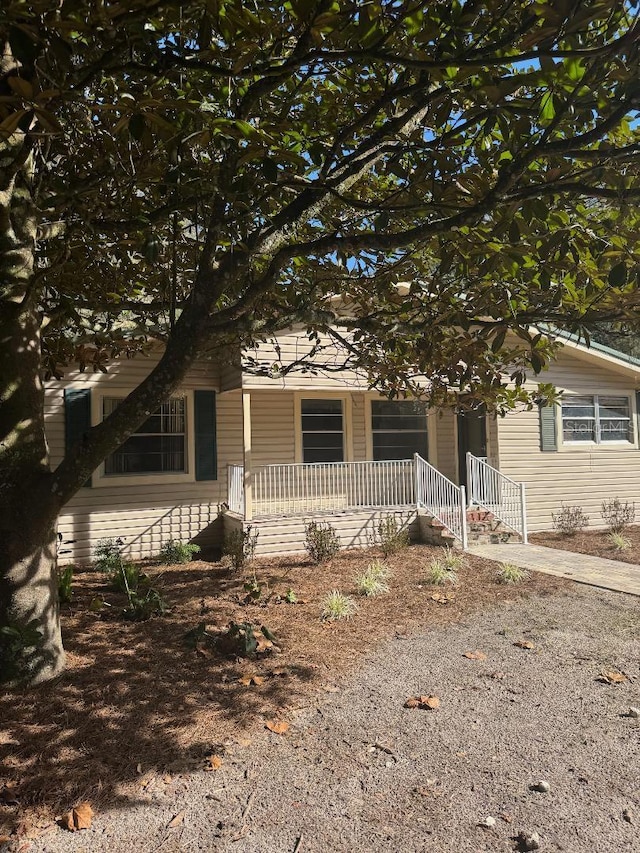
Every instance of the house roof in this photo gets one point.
(614, 358)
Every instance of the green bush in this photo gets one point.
(321, 541)
(619, 542)
(390, 538)
(65, 581)
(240, 546)
(108, 556)
(174, 551)
(143, 607)
(510, 574)
(20, 650)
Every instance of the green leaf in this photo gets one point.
(618, 275)
(547, 109)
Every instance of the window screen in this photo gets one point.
(322, 430)
(399, 429)
(157, 447)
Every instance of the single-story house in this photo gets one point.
(233, 448)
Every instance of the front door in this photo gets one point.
(472, 438)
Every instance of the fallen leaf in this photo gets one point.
(443, 597)
(262, 644)
(498, 675)
(476, 655)
(214, 762)
(258, 680)
(82, 815)
(612, 676)
(423, 702)
(524, 644)
(78, 818)
(245, 679)
(278, 727)
(176, 820)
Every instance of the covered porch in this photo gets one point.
(357, 493)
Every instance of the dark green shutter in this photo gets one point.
(204, 403)
(548, 437)
(77, 417)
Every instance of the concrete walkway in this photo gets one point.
(583, 568)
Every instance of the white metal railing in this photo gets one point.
(499, 494)
(319, 486)
(235, 478)
(441, 498)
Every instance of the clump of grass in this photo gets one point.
(336, 605)
(619, 542)
(174, 551)
(440, 574)
(373, 581)
(508, 573)
(453, 560)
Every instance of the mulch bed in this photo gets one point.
(595, 542)
(136, 701)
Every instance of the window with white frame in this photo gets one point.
(398, 429)
(596, 419)
(322, 430)
(159, 446)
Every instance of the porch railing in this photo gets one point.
(499, 494)
(235, 482)
(330, 486)
(441, 498)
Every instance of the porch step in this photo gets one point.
(483, 528)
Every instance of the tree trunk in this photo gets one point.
(31, 649)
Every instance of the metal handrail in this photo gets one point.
(441, 498)
(497, 493)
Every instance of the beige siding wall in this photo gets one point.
(272, 428)
(294, 345)
(144, 515)
(576, 475)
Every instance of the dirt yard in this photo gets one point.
(595, 542)
(168, 743)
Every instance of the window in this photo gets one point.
(596, 420)
(158, 446)
(322, 430)
(399, 429)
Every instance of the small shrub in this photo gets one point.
(20, 650)
(240, 546)
(440, 574)
(569, 520)
(127, 578)
(374, 580)
(618, 515)
(390, 538)
(508, 573)
(253, 588)
(321, 541)
(174, 551)
(65, 581)
(336, 605)
(143, 607)
(290, 597)
(108, 556)
(241, 639)
(619, 542)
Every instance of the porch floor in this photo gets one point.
(582, 568)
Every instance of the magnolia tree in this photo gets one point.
(208, 173)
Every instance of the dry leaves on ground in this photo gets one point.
(429, 703)
(524, 644)
(78, 818)
(475, 655)
(612, 676)
(278, 727)
(176, 820)
(213, 762)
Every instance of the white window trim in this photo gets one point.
(347, 422)
(102, 480)
(368, 428)
(577, 446)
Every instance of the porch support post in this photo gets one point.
(246, 441)
(523, 513)
(463, 518)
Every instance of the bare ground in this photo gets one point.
(356, 770)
